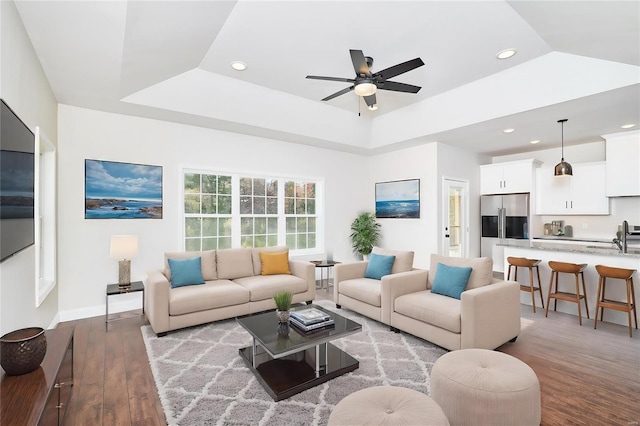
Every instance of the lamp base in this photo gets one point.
(124, 273)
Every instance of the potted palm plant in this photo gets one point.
(283, 300)
(365, 233)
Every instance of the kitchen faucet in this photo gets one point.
(622, 241)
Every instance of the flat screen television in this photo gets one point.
(17, 148)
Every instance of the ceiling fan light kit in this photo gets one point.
(563, 168)
(366, 83)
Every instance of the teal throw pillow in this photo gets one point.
(451, 280)
(185, 272)
(379, 266)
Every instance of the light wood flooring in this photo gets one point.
(587, 376)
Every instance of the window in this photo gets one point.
(229, 210)
(300, 214)
(207, 211)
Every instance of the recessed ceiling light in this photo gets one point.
(509, 130)
(238, 66)
(506, 53)
(373, 107)
(534, 142)
(628, 126)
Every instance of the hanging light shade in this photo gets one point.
(563, 168)
(365, 88)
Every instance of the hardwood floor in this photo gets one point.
(587, 376)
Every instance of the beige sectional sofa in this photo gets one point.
(234, 286)
(486, 315)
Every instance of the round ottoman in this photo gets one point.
(482, 387)
(387, 405)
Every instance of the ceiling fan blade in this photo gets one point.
(341, 92)
(359, 62)
(370, 100)
(399, 69)
(317, 77)
(398, 87)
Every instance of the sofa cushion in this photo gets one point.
(255, 255)
(451, 280)
(275, 263)
(185, 272)
(263, 287)
(207, 262)
(379, 266)
(366, 290)
(431, 308)
(234, 263)
(481, 274)
(403, 262)
(210, 295)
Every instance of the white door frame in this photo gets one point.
(447, 183)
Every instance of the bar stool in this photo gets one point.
(567, 268)
(602, 302)
(527, 263)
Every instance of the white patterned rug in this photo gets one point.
(202, 380)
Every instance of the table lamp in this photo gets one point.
(123, 248)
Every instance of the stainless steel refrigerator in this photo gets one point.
(505, 219)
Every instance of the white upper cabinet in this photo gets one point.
(580, 194)
(507, 178)
(623, 164)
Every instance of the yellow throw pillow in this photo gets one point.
(275, 263)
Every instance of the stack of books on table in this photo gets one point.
(310, 319)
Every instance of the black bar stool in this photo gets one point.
(576, 269)
(602, 302)
(530, 264)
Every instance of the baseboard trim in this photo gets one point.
(129, 302)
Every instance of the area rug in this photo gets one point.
(202, 380)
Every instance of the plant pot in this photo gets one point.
(22, 351)
(283, 316)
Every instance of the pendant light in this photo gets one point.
(563, 168)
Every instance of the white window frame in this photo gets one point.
(235, 209)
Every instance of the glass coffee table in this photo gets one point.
(287, 361)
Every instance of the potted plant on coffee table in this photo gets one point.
(365, 233)
(283, 300)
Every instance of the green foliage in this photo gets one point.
(283, 300)
(365, 233)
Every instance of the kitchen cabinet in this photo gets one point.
(507, 178)
(623, 164)
(580, 194)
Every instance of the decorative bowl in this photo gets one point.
(22, 351)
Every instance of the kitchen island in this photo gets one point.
(575, 253)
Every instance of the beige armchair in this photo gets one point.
(374, 298)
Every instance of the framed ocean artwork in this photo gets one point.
(114, 190)
(398, 199)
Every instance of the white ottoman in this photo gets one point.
(387, 405)
(482, 387)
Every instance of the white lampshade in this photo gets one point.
(124, 246)
(365, 89)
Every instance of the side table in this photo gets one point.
(114, 289)
(324, 264)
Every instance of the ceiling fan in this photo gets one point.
(366, 83)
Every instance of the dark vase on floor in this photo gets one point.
(22, 351)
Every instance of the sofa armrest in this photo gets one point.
(490, 315)
(396, 285)
(306, 271)
(157, 288)
(344, 272)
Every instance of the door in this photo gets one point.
(455, 201)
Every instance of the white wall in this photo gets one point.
(24, 87)
(430, 163)
(84, 264)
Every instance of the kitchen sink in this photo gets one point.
(609, 250)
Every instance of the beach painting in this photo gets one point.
(114, 190)
(398, 199)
